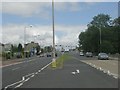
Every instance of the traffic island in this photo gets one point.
(59, 62)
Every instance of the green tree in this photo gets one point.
(110, 35)
(101, 20)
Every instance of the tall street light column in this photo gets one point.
(25, 37)
(100, 38)
(54, 61)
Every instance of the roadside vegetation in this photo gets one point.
(89, 40)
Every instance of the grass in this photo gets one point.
(60, 61)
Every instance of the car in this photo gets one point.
(41, 55)
(18, 55)
(81, 54)
(56, 55)
(103, 56)
(89, 54)
(49, 55)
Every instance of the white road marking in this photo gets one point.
(16, 68)
(17, 63)
(25, 80)
(19, 85)
(39, 70)
(36, 73)
(78, 71)
(32, 75)
(115, 77)
(10, 64)
(99, 68)
(73, 72)
(13, 84)
(105, 71)
(28, 74)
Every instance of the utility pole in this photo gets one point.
(53, 60)
(25, 38)
(100, 38)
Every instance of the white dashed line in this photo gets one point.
(27, 79)
(32, 75)
(16, 68)
(19, 85)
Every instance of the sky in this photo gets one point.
(71, 18)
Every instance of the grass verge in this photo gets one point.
(60, 61)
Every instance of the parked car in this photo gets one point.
(56, 55)
(89, 54)
(18, 55)
(103, 56)
(81, 54)
(42, 55)
(49, 55)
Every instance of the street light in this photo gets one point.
(25, 36)
(100, 38)
(53, 60)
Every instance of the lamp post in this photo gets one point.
(25, 36)
(100, 38)
(53, 60)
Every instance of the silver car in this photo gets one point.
(103, 56)
(81, 54)
(89, 54)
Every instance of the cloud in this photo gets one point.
(39, 9)
(67, 6)
(25, 9)
(14, 33)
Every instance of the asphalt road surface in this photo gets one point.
(15, 73)
(74, 74)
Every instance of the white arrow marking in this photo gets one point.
(73, 72)
(78, 71)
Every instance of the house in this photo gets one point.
(31, 48)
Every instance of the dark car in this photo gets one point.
(56, 55)
(18, 55)
(103, 56)
(49, 55)
(89, 54)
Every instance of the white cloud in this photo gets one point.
(67, 6)
(14, 33)
(40, 9)
(25, 9)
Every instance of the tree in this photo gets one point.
(116, 26)
(110, 35)
(101, 20)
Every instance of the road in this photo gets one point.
(74, 74)
(14, 73)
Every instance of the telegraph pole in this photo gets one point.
(53, 60)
